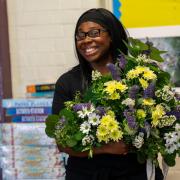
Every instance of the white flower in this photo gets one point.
(177, 127)
(158, 93)
(93, 119)
(129, 102)
(142, 58)
(166, 121)
(88, 139)
(166, 88)
(96, 75)
(165, 93)
(171, 137)
(172, 141)
(139, 140)
(178, 144)
(170, 148)
(85, 127)
(85, 111)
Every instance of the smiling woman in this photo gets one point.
(99, 38)
(93, 43)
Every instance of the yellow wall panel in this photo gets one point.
(149, 13)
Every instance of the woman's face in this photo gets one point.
(93, 42)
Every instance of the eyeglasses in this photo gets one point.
(92, 34)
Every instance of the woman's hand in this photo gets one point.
(69, 151)
(119, 148)
(115, 148)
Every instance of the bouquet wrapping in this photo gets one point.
(135, 103)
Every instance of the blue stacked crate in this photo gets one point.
(27, 110)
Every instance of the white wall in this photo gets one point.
(41, 39)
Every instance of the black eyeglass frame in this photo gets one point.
(78, 38)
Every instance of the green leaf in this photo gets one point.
(71, 142)
(138, 44)
(67, 114)
(90, 154)
(155, 55)
(163, 78)
(154, 68)
(49, 132)
(131, 63)
(170, 159)
(78, 136)
(51, 121)
(141, 157)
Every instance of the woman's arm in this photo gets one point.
(119, 148)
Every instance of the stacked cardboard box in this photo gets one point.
(27, 153)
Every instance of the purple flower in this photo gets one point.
(129, 115)
(147, 127)
(150, 44)
(149, 92)
(177, 96)
(154, 64)
(80, 106)
(175, 113)
(100, 110)
(61, 123)
(62, 120)
(143, 130)
(121, 61)
(146, 52)
(113, 69)
(178, 107)
(133, 91)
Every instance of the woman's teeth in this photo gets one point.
(90, 50)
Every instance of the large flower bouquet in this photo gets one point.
(134, 103)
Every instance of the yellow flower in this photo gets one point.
(149, 75)
(132, 74)
(157, 113)
(102, 130)
(114, 96)
(116, 135)
(105, 119)
(111, 113)
(141, 114)
(141, 69)
(110, 87)
(108, 128)
(112, 125)
(120, 86)
(148, 102)
(143, 83)
(103, 138)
